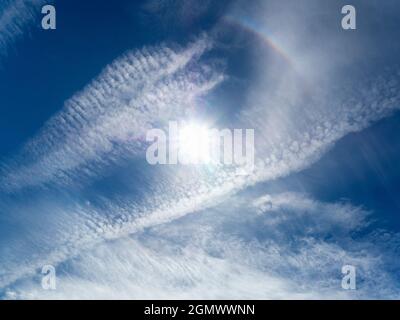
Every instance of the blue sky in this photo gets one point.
(77, 192)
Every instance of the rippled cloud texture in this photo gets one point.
(79, 195)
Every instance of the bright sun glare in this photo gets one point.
(194, 143)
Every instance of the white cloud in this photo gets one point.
(178, 191)
(231, 251)
(15, 17)
(136, 91)
(293, 129)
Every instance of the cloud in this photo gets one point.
(239, 249)
(296, 118)
(15, 17)
(98, 126)
(111, 115)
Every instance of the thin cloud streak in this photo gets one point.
(15, 17)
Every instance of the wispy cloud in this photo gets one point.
(135, 91)
(179, 191)
(264, 247)
(297, 118)
(15, 17)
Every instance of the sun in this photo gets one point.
(194, 143)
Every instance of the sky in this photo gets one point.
(76, 190)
